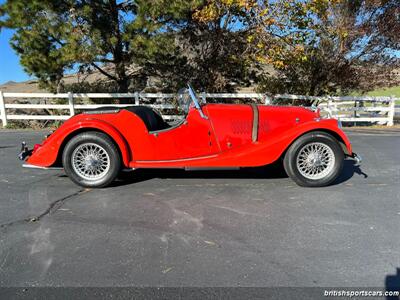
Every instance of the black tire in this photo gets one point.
(103, 144)
(291, 156)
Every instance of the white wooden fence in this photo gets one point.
(349, 109)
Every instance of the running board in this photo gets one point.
(211, 168)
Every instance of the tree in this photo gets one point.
(320, 47)
(211, 37)
(314, 47)
(54, 36)
(178, 41)
(217, 37)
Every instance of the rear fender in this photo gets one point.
(47, 154)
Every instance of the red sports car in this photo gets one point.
(93, 147)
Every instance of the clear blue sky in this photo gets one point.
(10, 69)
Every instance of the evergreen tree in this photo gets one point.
(54, 36)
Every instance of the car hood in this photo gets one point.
(270, 110)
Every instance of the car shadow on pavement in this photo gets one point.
(7, 146)
(272, 171)
(349, 169)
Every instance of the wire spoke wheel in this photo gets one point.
(315, 160)
(90, 161)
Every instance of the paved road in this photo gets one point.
(170, 228)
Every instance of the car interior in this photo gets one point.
(151, 117)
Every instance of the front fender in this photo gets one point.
(46, 155)
(277, 146)
(327, 125)
(269, 150)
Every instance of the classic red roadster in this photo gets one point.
(93, 147)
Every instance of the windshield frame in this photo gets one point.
(197, 105)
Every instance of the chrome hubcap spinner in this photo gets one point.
(315, 160)
(90, 161)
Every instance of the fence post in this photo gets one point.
(3, 110)
(136, 98)
(329, 108)
(335, 109)
(71, 104)
(355, 112)
(267, 100)
(391, 111)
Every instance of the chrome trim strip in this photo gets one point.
(126, 170)
(175, 160)
(29, 166)
(101, 112)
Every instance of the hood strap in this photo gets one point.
(254, 133)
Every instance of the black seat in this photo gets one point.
(151, 118)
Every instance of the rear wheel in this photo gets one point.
(91, 159)
(315, 159)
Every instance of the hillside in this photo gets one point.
(393, 91)
(32, 86)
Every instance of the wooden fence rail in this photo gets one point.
(369, 110)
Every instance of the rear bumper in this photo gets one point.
(25, 152)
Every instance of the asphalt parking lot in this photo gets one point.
(228, 228)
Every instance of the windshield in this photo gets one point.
(184, 101)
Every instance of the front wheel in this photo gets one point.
(314, 160)
(91, 159)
